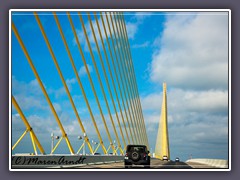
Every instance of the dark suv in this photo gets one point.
(138, 155)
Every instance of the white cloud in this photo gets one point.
(195, 117)
(37, 112)
(81, 35)
(211, 101)
(57, 107)
(136, 21)
(131, 29)
(61, 91)
(197, 101)
(17, 123)
(151, 101)
(191, 55)
(82, 71)
(141, 16)
(192, 52)
(58, 92)
(143, 45)
(71, 81)
(28, 95)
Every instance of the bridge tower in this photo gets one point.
(162, 142)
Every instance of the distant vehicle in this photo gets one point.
(177, 159)
(138, 155)
(165, 158)
(97, 154)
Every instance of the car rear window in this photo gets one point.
(136, 148)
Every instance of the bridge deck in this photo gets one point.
(155, 164)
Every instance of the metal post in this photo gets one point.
(114, 143)
(96, 147)
(52, 145)
(93, 146)
(79, 138)
(84, 149)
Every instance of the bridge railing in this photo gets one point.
(220, 163)
(61, 161)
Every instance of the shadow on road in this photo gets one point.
(172, 165)
(164, 165)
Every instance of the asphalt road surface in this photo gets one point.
(155, 164)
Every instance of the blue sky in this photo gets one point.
(188, 51)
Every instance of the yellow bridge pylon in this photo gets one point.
(162, 142)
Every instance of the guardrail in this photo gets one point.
(61, 161)
(220, 163)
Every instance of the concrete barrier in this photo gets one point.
(60, 161)
(220, 163)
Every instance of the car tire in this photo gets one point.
(127, 165)
(147, 165)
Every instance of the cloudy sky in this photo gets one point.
(187, 50)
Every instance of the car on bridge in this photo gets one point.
(137, 155)
(165, 158)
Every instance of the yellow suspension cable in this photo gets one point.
(78, 79)
(127, 75)
(125, 82)
(120, 75)
(58, 69)
(135, 86)
(115, 73)
(98, 148)
(134, 95)
(33, 143)
(109, 69)
(56, 145)
(134, 79)
(134, 72)
(124, 76)
(43, 88)
(135, 90)
(81, 148)
(29, 128)
(90, 80)
(106, 79)
(60, 74)
(21, 137)
(100, 81)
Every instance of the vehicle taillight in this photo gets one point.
(126, 154)
(144, 155)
